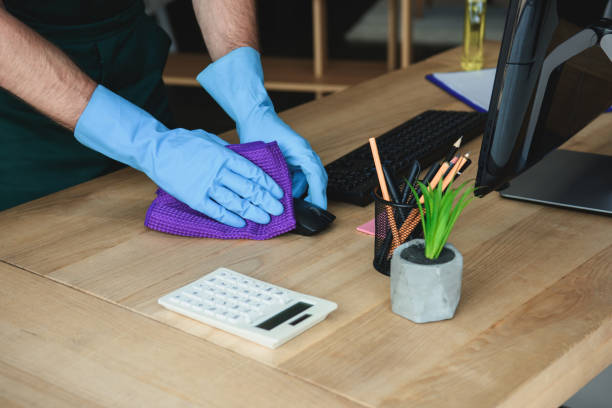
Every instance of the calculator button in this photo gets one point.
(175, 299)
(234, 318)
(222, 314)
(198, 308)
(192, 296)
(186, 302)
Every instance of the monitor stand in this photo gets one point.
(569, 179)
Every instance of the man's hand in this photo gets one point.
(39, 73)
(193, 166)
(235, 81)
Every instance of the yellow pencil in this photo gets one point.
(384, 191)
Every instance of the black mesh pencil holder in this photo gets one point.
(407, 222)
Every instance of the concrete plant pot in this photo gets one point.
(425, 290)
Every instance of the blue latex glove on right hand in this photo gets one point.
(235, 81)
(193, 166)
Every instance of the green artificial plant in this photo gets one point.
(440, 213)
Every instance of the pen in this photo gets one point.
(433, 170)
(391, 185)
(414, 171)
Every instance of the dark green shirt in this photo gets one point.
(118, 46)
(66, 12)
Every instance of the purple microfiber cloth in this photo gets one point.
(169, 215)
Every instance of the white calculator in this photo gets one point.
(256, 310)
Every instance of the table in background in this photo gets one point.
(79, 322)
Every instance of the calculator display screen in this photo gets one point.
(283, 316)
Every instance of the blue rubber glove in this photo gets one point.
(235, 81)
(193, 166)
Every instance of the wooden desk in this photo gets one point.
(79, 322)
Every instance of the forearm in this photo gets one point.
(40, 74)
(226, 25)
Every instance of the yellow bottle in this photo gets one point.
(473, 34)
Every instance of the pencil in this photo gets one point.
(451, 174)
(454, 149)
(383, 189)
(464, 167)
(406, 229)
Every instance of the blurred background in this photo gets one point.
(356, 34)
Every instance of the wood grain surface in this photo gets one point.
(61, 347)
(535, 319)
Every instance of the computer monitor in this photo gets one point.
(554, 76)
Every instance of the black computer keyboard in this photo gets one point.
(426, 137)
